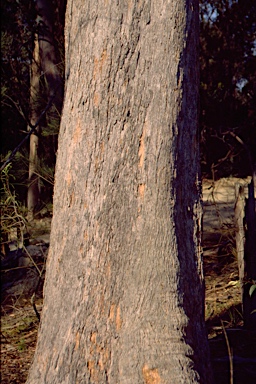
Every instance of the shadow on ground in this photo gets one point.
(233, 348)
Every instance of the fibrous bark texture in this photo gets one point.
(124, 286)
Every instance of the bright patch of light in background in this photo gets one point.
(254, 48)
(241, 84)
(209, 13)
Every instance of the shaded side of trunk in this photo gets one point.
(124, 286)
(245, 221)
(249, 300)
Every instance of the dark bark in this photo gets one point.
(124, 287)
(44, 74)
(245, 219)
(48, 50)
(240, 235)
(35, 90)
(249, 301)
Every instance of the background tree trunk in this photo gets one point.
(48, 50)
(35, 90)
(45, 70)
(124, 287)
(240, 233)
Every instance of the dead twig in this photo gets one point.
(230, 354)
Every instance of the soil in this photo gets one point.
(233, 349)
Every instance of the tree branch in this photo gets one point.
(33, 128)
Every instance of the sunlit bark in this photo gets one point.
(124, 286)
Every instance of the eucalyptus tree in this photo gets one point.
(123, 297)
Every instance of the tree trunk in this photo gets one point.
(249, 301)
(48, 51)
(124, 288)
(240, 234)
(245, 220)
(33, 179)
(44, 66)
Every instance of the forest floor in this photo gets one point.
(233, 350)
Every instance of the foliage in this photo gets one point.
(252, 289)
(227, 89)
(13, 221)
(19, 25)
(228, 86)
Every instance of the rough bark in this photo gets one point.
(245, 220)
(124, 288)
(249, 301)
(240, 234)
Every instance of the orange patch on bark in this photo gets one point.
(115, 315)
(78, 133)
(112, 312)
(142, 147)
(92, 370)
(69, 179)
(150, 376)
(93, 337)
(98, 64)
(99, 353)
(101, 365)
(104, 356)
(101, 148)
(96, 99)
(108, 270)
(77, 341)
(118, 318)
(141, 190)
